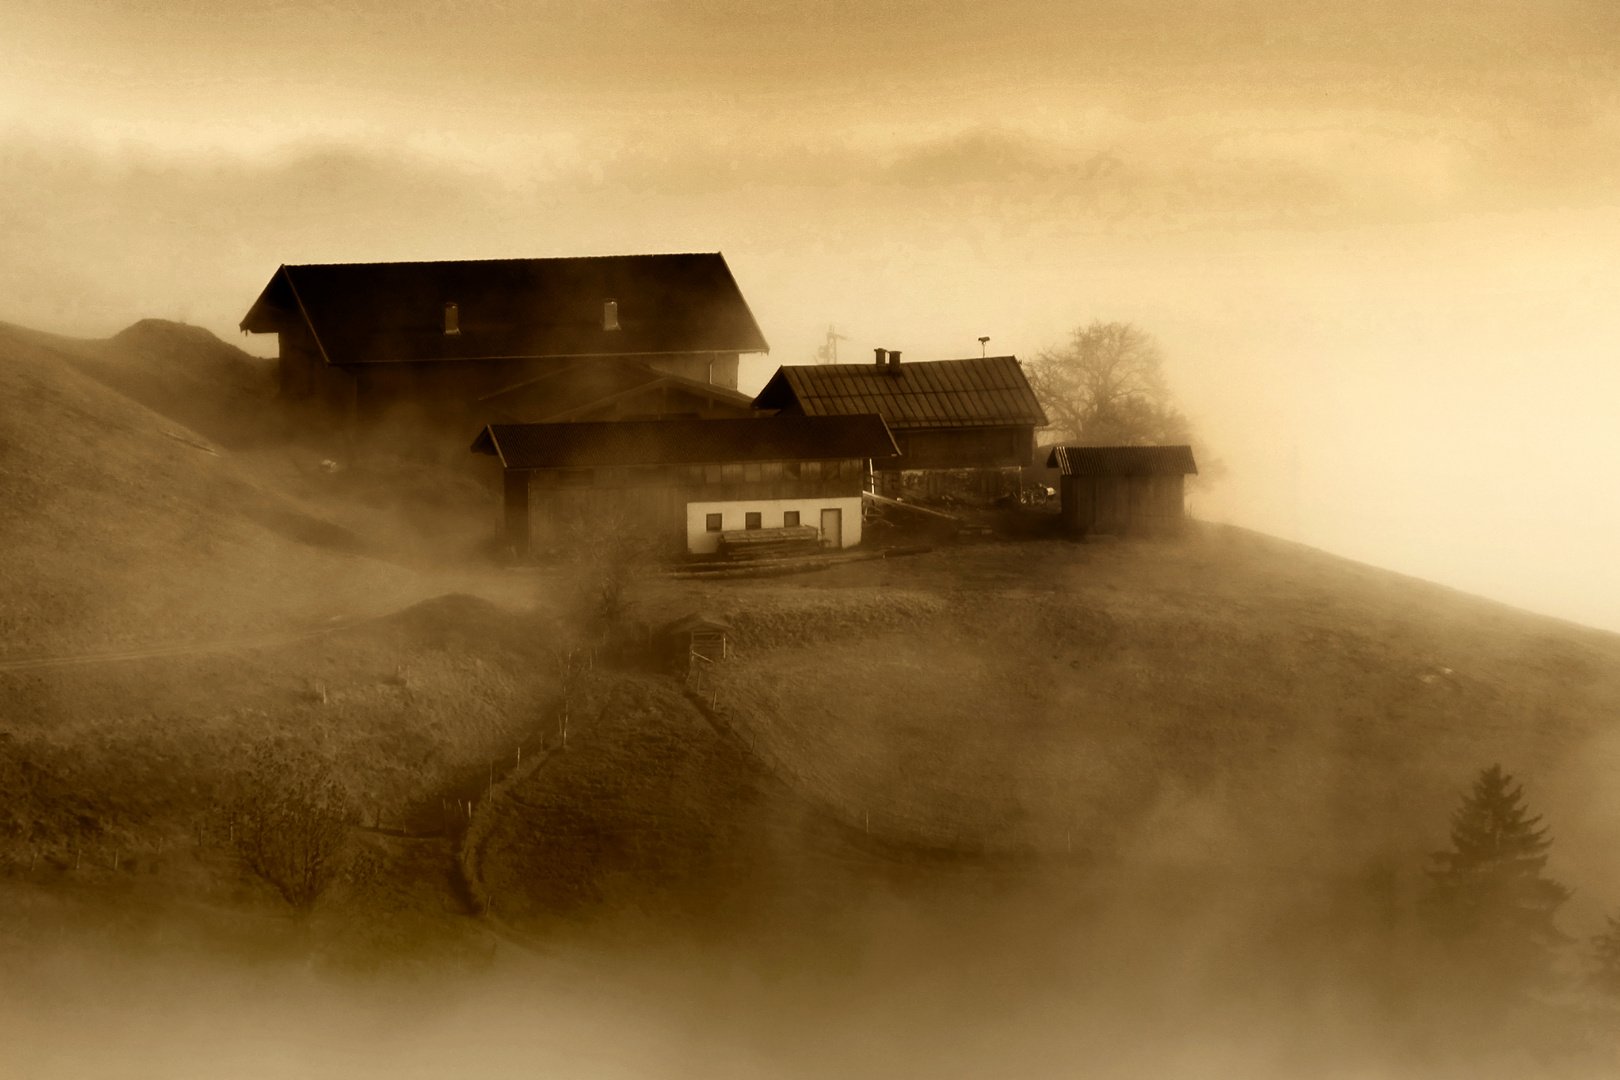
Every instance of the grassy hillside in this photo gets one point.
(116, 776)
(124, 527)
(1137, 781)
(1229, 699)
(187, 374)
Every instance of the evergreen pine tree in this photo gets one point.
(1489, 889)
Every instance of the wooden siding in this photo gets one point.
(1117, 505)
(716, 369)
(653, 498)
(963, 448)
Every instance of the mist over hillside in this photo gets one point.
(1155, 807)
(305, 771)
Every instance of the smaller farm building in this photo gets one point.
(1122, 489)
(683, 483)
(974, 414)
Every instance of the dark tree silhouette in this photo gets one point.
(1106, 388)
(1489, 889)
(607, 547)
(289, 822)
(1606, 958)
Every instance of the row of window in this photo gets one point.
(752, 519)
(732, 472)
(754, 472)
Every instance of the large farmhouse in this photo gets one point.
(435, 339)
(687, 482)
(946, 415)
(1122, 489)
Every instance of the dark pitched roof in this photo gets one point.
(587, 385)
(979, 392)
(686, 442)
(1122, 460)
(377, 312)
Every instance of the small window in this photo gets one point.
(790, 518)
(610, 315)
(711, 523)
(452, 319)
(751, 521)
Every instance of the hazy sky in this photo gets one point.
(1378, 240)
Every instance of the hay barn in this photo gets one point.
(977, 415)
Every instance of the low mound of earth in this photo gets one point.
(1225, 700)
(657, 817)
(115, 776)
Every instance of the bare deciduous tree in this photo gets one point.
(608, 545)
(289, 822)
(1106, 388)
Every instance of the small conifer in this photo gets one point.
(1489, 889)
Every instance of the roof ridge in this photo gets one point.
(514, 259)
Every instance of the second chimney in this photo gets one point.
(894, 361)
(881, 354)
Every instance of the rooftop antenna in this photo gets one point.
(828, 353)
(983, 342)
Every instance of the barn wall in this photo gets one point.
(700, 541)
(719, 369)
(1118, 505)
(299, 358)
(963, 448)
(654, 499)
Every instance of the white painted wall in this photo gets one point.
(699, 541)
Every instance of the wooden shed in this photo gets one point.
(696, 640)
(1115, 490)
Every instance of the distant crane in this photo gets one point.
(984, 343)
(828, 353)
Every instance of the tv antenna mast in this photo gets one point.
(983, 344)
(828, 353)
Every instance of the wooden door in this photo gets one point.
(832, 528)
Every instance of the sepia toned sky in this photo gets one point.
(1377, 240)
